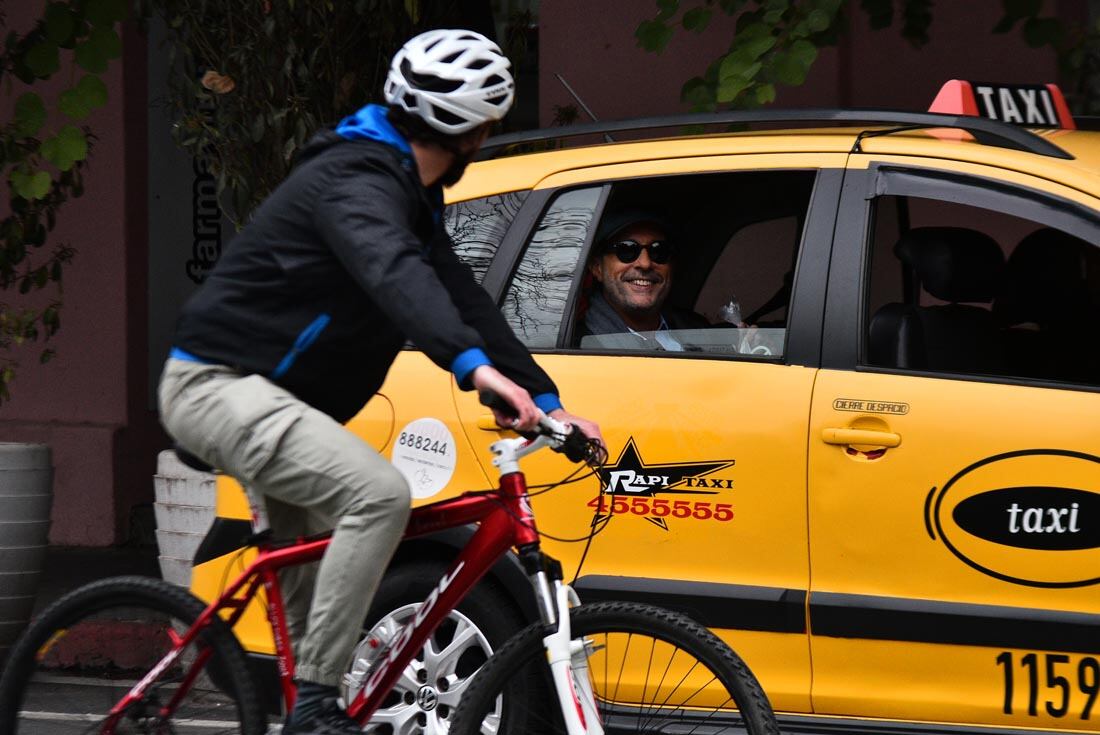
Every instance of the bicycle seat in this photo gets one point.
(191, 460)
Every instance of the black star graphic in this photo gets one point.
(630, 476)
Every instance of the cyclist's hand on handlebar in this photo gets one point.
(488, 378)
(586, 427)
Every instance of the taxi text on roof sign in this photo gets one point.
(1031, 105)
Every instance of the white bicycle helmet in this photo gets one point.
(454, 80)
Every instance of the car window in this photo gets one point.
(956, 288)
(726, 289)
(477, 226)
(539, 290)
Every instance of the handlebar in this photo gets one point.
(562, 438)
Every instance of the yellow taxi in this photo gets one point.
(880, 484)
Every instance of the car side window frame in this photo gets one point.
(514, 248)
(512, 244)
(568, 320)
(845, 317)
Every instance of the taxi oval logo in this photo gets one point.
(1028, 517)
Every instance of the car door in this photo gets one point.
(954, 452)
(424, 438)
(704, 493)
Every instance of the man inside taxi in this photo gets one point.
(631, 266)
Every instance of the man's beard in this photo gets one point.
(458, 166)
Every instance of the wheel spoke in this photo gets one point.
(490, 725)
(408, 681)
(446, 662)
(398, 717)
(466, 636)
(661, 672)
(83, 656)
(455, 690)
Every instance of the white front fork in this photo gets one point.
(568, 660)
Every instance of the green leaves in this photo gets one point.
(60, 23)
(43, 166)
(696, 19)
(774, 43)
(916, 19)
(818, 20)
(879, 12)
(105, 13)
(667, 8)
(30, 114)
(1037, 32)
(29, 185)
(791, 65)
(66, 148)
(653, 35)
(92, 91)
(1040, 32)
(102, 45)
(698, 93)
(763, 55)
(43, 59)
(1015, 11)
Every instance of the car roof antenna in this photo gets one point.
(607, 138)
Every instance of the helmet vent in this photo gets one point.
(428, 82)
(450, 59)
(410, 101)
(446, 117)
(493, 80)
(478, 64)
(497, 100)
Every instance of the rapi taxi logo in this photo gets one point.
(658, 492)
(1030, 517)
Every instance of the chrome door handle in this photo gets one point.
(866, 437)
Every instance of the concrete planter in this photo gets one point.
(184, 510)
(26, 496)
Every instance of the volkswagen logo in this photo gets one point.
(427, 699)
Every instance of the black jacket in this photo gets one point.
(344, 262)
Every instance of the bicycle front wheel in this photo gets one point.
(651, 671)
(85, 653)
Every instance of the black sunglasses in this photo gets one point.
(627, 251)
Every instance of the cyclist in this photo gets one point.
(297, 325)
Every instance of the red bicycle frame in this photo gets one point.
(505, 520)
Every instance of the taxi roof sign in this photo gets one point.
(1030, 105)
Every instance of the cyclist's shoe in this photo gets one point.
(328, 719)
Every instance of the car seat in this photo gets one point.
(1044, 308)
(956, 265)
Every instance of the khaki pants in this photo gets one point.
(314, 475)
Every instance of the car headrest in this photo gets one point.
(953, 263)
(1045, 279)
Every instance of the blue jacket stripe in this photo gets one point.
(306, 338)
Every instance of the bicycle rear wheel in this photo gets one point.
(651, 670)
(82, 656)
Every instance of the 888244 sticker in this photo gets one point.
(425, 453)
